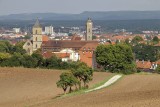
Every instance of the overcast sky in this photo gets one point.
(74, 6)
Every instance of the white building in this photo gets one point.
(49, 30)
(16, 30)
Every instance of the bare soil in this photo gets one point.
(21, 87)
(130, 91)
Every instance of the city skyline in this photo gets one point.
(74, 6)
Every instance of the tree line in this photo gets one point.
(16, 56)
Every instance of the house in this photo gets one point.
(63, 56)
(87, 54)
(74, 48)
(146, 65)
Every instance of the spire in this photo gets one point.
(37, 24)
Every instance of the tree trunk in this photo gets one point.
(76, 87)
(70, 89)
(80, 86)
(64, 89)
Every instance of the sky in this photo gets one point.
(74, 6)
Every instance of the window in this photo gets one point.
(36, 38)
(36, 32)
(28, 43)
(36, 45)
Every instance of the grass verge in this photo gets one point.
(83, 91)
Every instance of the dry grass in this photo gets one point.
(131, 91)
(20, 87)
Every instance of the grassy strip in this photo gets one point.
(83, 91)
(145, 73)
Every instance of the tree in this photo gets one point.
(67, 79)
(5, 46)
(15, 60)
(146, 52)
(4, 56)
(39, 59)
(155, 40)
(116, 58)
(29, 61)
(18, 48)
(27, 37)
(53, 62)
(94, 37)
(83, 73)
(158, 69)
(136, 40)
(127, 41)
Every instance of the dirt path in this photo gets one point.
(130, 91)
(20, 87)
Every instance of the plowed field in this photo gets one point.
(20, 87)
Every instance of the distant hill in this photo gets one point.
(110, 15)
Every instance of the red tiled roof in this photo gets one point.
(89, 46)
(59, 55)
(75, 37)
(144, 64)
(45, 38)
(47, 54)
(66, 44)
(62, 55)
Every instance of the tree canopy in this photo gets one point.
(155, 40)
(146, 52)
(136, 40)
(116, 58)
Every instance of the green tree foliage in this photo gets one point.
(18, 48)
(127, 42)
(94, 37)
(15, 60)
(158, 69)
(53, 62)
(27, 37)
(83, 73)
(5, 46)
(29, 61)
(67, 79)
(136, 40)
(116, 58)
(146, 52)
(4, 56)
(38, 58)
(155, 40)
(75, 77)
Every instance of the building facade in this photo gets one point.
(35, 43)
(89, 30)
(16, 30)
(37, 35)
(49, 30)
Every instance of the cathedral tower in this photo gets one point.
(89, 26)
(37, 35)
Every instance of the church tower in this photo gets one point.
(37, 35)
(89, 26)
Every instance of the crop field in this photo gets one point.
(22, 87)
(135, 90)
